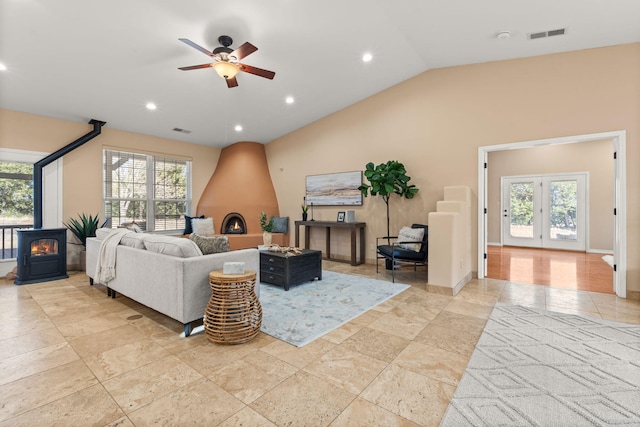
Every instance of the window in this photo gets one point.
(16, 204)
(153, 192)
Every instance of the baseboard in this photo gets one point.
(600, 251)
(494, 244)
(635, 295)
(450, 291)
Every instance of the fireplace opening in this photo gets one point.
(44, 247)
(42, 255)
(233, 224)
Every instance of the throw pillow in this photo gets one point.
(175, 246)
(281, 224)
(408, 234)
(211, 245)
(203, 226)
(188, 229)
(131, 226)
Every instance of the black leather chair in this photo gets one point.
(392, 253)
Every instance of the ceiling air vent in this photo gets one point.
(550, 33)
(181, 130)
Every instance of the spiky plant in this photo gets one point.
(83, 227)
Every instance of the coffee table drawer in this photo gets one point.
(273, 278)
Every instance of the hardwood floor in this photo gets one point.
(561, 269)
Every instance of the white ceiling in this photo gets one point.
(105, 59)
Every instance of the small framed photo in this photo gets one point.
(341, 216)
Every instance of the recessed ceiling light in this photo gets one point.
(238, 128)
(3, 67)
(289, 100)
(367, 57)
(503, 35)
(151, 106)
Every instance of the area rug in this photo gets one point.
(608, 259)
(311, 309)
(539, 368)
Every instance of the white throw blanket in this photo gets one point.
(106, 265)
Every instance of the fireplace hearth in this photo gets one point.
(233, 223)
(42, 255)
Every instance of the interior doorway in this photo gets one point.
(618, 139)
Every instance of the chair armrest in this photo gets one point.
(385, 238)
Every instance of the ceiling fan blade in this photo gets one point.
(232, 82)
(194, 67)
(257, 71)
(196, 46)
(243, 51)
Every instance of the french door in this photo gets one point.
(545, 211)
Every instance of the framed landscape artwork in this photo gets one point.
(334, 189)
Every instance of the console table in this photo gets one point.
(328, 225)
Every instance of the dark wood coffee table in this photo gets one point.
(287, 269)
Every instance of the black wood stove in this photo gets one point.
(42, 255)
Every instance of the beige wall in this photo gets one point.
(82, 173)
(435, 122)
(594, 157)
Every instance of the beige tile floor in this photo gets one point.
(70, 356)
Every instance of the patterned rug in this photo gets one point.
(311, 309)
(539, 368)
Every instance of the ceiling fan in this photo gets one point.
(226, 60)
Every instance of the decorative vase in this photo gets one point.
(266, 238)
(304, 216)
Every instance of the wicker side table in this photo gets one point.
(234, 313)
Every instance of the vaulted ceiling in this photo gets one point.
(82, 59)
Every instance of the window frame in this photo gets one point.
(151, 198)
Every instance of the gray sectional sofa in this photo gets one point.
(174, 285)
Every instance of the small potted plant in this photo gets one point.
(83, 228)
(267, 228)
(305, 210)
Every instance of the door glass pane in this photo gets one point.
(521, 208)
(563, 202)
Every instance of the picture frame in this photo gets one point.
(340, 216)
(334, 189)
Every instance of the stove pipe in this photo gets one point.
(37, 168)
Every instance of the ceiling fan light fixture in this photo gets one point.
(226, 70)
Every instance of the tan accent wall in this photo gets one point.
(240, 183)
(594, 157)
(82, 174)
(435, 122)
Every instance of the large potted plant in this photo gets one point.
(267, 228)
(83, 227)
(385, 180)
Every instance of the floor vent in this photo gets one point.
(550, 33)
(181, 130)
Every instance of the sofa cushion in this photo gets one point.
(102, 233)
(281, 224)
(203, 226)
(175, 246)
(188, 228)
(408, 234)
(211, 245)
(133, 240)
